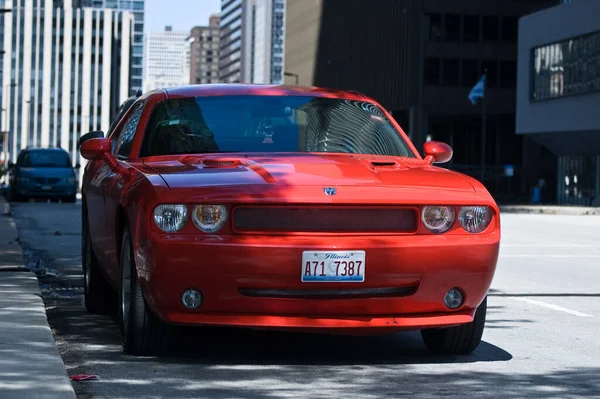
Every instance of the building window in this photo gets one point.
(452, 27)
(491, 28)
(450, 72)
(470, 72)
(569, 67)
(432, 71)
(508, 74)
(471, 28)
(435, 27)
(509, 29)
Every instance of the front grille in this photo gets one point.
(324, 219)
(46, 181)
(342, 293)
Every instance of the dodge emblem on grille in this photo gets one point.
(329, 190)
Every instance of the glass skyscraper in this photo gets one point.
(137, 52)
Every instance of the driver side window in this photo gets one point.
(124, 140)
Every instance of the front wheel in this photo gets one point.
(96, 290)
(142, 332)
(459, 340)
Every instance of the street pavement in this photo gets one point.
(540, 340)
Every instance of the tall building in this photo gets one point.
(204, 52)
(420, 59)
(252, 41)
(167, 59)
(268, 41)
(233, 49)
(137, 8)
(558, 93)
(65, 72)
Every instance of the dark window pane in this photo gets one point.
(492, 72)
(509, 29)
(450, 72)
(432, 71)
(471, 28)
(452, 27)
(567, 68)
(470, 72)
(491, 28)
(508, 74)
(435, 27)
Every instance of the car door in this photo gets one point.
(112, 184)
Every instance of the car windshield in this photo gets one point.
(270, 124)
(51, 159)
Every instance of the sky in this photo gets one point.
(182, 15)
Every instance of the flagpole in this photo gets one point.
(483, 124)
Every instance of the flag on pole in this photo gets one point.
(477, 91)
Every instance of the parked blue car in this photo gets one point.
(42, 173)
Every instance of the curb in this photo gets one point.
(551, 210)
(59, 384)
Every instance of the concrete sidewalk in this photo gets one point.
(30, 365)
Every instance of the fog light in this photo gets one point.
(454, 298)
(191, 299)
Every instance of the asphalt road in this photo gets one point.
(540, 340)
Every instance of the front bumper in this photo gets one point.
(421, 269)
(39, 190)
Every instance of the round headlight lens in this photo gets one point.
(475, 219)
(170, 218)
(438, 219)
(210, 218)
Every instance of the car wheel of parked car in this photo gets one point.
(96, 289)
(142, 331)
(71, 199)
(460, 340)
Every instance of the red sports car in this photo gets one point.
(282, 207)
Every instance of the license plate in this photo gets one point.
(46, 188)
(336, 266)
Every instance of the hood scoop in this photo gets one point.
(231, 163)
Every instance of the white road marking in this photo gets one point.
(550, 245)
(554, 307)
(547, 256)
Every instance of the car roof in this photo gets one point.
(225, 89)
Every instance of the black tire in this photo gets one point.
(143, 333)
(459, 340)
(71, 199)
(96, 290)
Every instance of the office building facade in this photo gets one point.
(204, 52)
(420, 59)
(252, 41)
(167, 59)
(137, 55)
(559, 92)
(65, 72)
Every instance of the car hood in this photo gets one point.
(324, 170)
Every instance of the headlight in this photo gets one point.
(70, 180)
(170, 218)
(210, 218)
(438, 219)
(475, 219)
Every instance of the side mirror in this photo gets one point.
(78, 166)
(95, 148)
(437, 152)
(91, 135)
(11, 165)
